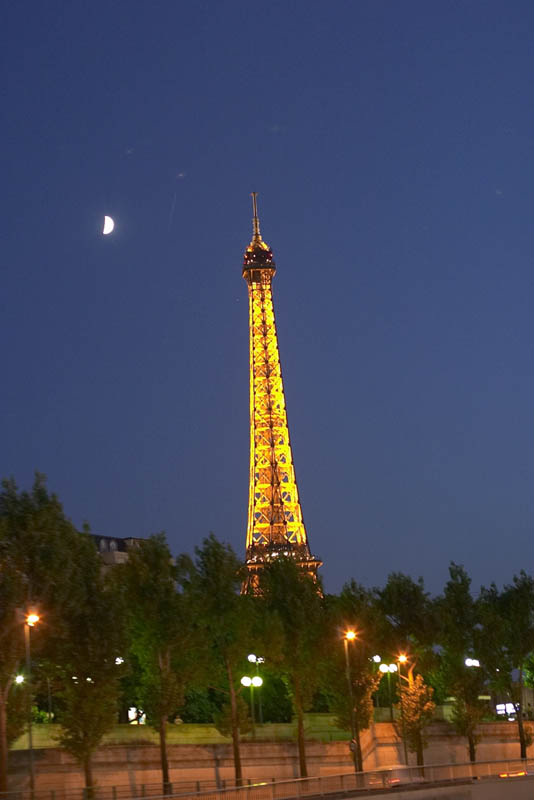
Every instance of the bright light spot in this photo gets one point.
(136, 716)
(19, 679)
(392, 667)
(257, 681)
(246, 681)
(377, 659)
(402, 658)
(505, 709)
(472, 662)
(89, 680)
(383, 668)
(350, 635)
(108, 225)
(31, 619)
(252, 658)
(119, 660)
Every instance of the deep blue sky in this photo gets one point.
(392, 144)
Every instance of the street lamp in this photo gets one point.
(30, 621)
(472, 662)
(252, 683)
(254, 659)
(387, 669)
(350, 636)
(402, 659)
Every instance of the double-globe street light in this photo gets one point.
(387, 669)
(257, 660)
(252, 683)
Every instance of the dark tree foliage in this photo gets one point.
(92, 638)
(459, 636)
(295, 627)
(225, 620)
(40, 570)
(507, 641)
(160, 629)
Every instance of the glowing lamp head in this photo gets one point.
(377, 659)
(19, 679)
(32, 619)
(403, 658)
(350, 635)
(392, 667)
(246, 681)
(252, 658)
(257, 681)
(383, 668)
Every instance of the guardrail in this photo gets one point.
(350, 782)
(271, 789)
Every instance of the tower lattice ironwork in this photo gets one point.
(275, 525)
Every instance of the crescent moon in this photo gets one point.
(108, 225)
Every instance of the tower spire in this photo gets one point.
(256, 235)
(258, 252)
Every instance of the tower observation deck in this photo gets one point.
(275, 525)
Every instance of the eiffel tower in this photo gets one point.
(275, 525)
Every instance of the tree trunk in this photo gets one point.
(88, 773)
(472, 748)
(3, 742)
(358, 759)
(300, 730)
(519, 711)
(235, 725)
(163, 754)
(419, 751)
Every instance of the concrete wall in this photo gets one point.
(119, 765)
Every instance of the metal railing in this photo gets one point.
(353, 782)
(271, 789)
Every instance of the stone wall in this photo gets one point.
(136, 765)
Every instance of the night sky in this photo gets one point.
(392, 146)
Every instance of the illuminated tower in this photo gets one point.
(275, 525)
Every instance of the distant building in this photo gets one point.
(114, 550)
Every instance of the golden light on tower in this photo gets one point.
(275, 526)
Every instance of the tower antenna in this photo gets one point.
(255, 221)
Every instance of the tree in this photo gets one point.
(411, 613)
(86, 647)
(458, 636)
(37, 571)
(225, 620)
(159, 624)
(507, 640)
(294, 617)
(417, 709)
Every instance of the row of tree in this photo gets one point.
(171, 635)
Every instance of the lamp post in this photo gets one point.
(30, 620)
(252, 683)
(387, 669)
(376, 660)
(402, 659)
(254, 659)
(350, 636)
